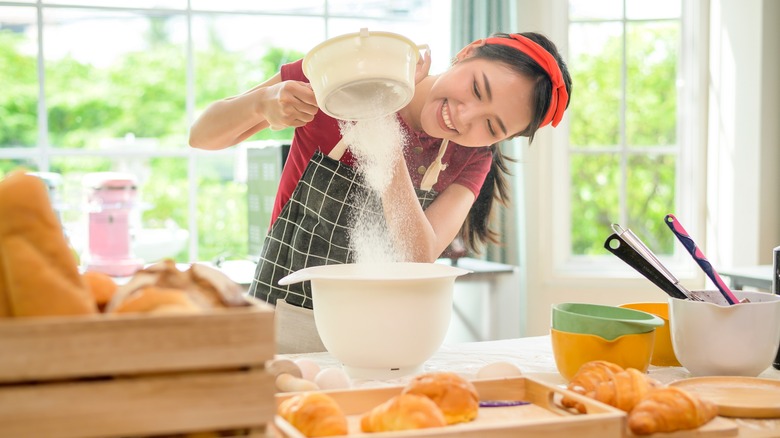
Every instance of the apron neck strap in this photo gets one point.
(338, 151)
(432, 174)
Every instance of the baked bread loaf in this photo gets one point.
(314, 414)
(625, 389)
(456, 397)
(669, 409)
(403, 412)
(587, 378)
(40, 275)
(205, 287)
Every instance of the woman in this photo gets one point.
(445, 181)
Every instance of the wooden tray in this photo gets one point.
(137, 375)
(748, 397)
(542, 417)
(49, 348)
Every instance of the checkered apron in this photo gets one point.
(314, 226)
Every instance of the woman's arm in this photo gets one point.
(274, 103)
(424, 235)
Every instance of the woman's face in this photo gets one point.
(477, 102)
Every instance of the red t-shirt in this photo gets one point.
(466, 166)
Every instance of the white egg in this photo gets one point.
(308, 367)
(332, 378)
(497, 370)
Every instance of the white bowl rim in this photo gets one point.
(375, 271)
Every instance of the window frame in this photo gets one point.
(691, 135)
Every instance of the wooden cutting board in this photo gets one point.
(746, 397)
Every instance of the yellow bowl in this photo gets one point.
(571, 350)
(663, 352)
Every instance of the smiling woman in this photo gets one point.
(446, 171)
(125, 102)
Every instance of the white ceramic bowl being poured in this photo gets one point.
(364, 75)
(381, 320)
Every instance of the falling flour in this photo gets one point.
(376, 144)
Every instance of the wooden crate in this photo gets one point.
(542, 417)
(136, 374)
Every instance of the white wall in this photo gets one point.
(742, 161)
(743, 169)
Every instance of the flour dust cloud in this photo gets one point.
(376, 144)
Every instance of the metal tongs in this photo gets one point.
(630, 248)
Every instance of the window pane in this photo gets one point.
(222, 208)
(287, 7)
(651, 195)
(643, 9)
(651, 112)
(595, 9)
(595, 201)
(404, 9)
(132, 83)
(595, 56)
(231, 56)
(9, 165)
(19, 77)
(161, 4)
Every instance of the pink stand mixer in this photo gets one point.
(111, 197)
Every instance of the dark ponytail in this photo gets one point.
(476, 231)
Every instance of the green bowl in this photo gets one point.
(608, 322)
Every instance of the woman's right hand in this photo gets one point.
(289, 103)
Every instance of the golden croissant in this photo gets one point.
(403, 412)
(587, 378)
(669, 409)
(314, 414)
(625, 389)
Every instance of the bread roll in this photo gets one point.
(206, 287)
(456, 397)
(314, 414)
(403, 412)
(154, 299)
(39, 271)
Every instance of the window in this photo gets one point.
(93, 86)
(631, 146)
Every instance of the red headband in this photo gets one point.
(545, 60)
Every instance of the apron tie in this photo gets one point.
(432, 174)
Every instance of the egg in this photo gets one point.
(497, 370)
(332, 378)
(308, 367)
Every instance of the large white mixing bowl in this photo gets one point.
(381, 320)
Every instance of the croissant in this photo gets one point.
(669, 409)
(314, 414)
(587, 378)
(625, 389)
(403, 412)
(455, 396)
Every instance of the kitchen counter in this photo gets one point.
(533, 355)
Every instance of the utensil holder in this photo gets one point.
(776, 289)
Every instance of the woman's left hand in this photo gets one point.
(423, 65)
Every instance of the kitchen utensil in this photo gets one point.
(744, 397)
(363, 75)
(608, 322)
(699, 257)
(645, 266)
(381, 320)
(711, 339)
(572, 350)
(663, 352)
